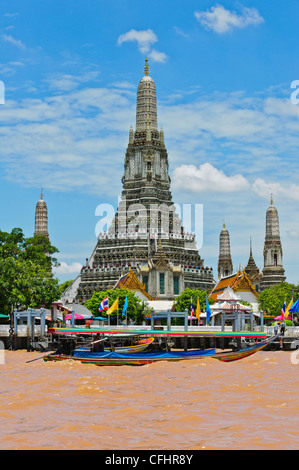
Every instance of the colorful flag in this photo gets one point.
(191, 308)
(208, 310)
(198, 312)
(288, 309)
(114, 307)
(104, 305)
(125, 306)
(283, 310)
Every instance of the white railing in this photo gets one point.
(22, 330)
(291, 331)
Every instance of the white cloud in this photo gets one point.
(65, 268)
(13, 41)
(292, 233)
(68, 82)
(220, 20)
(11, 15)
(207, 178)
(263, 189)
(144, 39)
(157, 56)
(65, 139)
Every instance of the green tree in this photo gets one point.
(26, 277)
(39, 250)
(64, 286)
(272, 299)
(183, 301)
(136, 307)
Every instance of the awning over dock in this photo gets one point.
(201, 333)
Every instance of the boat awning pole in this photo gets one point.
(15, 321)
(43, 321)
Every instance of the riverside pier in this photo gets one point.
(30, 331)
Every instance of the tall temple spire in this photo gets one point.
(146, 67)
(146, 111)
(146, 231)
(252, 270)
(273, 272)
(225, 264)
(41, 217)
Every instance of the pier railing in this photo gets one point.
(291, 331)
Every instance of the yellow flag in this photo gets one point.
(113, 307)
(198, 312)
(288, 308)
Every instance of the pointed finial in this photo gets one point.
(271, 201)
(250, 246)
(42, 193)
(146, 68)
(224, 226)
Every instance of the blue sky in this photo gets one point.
(223, 72)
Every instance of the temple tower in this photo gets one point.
(252, 271)
(146, 233)
(41, 218)
(273, 272)
(225, 264)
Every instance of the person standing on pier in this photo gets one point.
(282, 331)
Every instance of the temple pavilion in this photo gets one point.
(240, 284)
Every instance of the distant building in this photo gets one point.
(41, 218)
(241, 285)
(225, 264)
(253, 272)
(273, 272)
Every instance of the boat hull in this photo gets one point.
(232, 356)
(115, 359)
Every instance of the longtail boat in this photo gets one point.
(135, 348)
(131, 359)
(230, 356)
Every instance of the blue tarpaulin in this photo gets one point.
(147, 355)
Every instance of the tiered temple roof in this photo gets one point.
(238, 282)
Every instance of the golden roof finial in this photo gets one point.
(271, 201)
(146, 68)
(42, 193)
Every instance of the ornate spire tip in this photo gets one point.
(146, 67)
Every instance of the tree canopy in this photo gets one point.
(63, 287)
(272, 299)
(183, 301)
(136, 307)
(26, 277)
